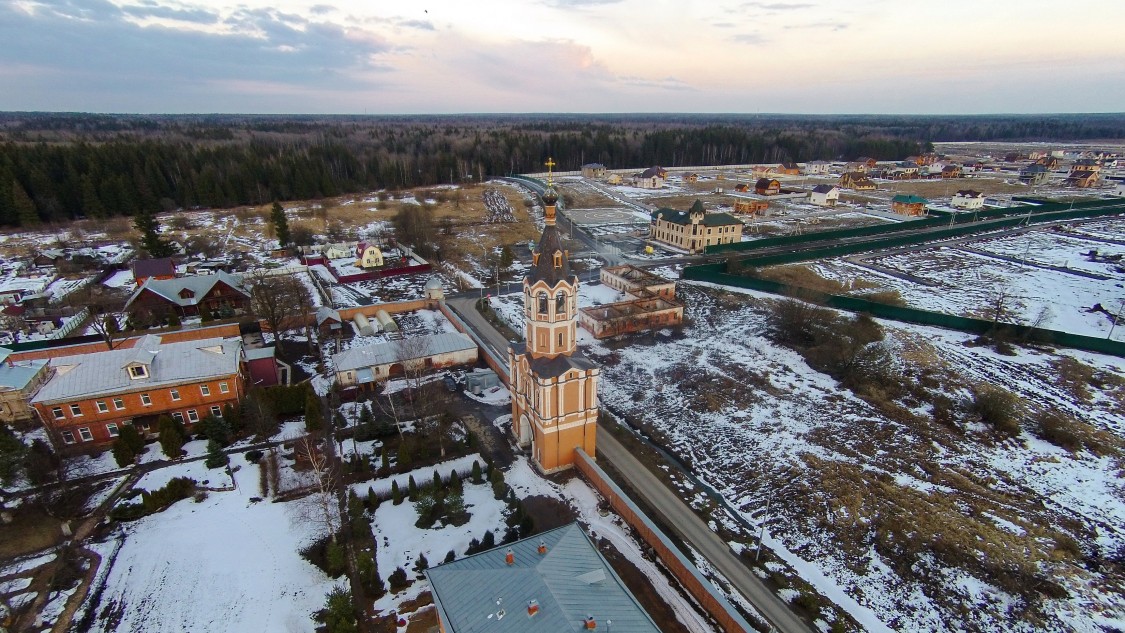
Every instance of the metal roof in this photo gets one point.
(105, 373)
(18, 374)
(198, 285)
(398, 351)
(570, 582)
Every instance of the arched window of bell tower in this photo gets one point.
(542, 303)
(560, 303)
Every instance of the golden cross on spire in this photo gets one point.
(550, 164)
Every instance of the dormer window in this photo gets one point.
(187, 293)
(138, 371)
(558, 259)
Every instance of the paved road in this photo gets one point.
(689, 527)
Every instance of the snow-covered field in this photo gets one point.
(227, 563)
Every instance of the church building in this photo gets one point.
(554, 386)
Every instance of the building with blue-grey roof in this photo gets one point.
(553, 582)
(19, 380)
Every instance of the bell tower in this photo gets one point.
(554, 386)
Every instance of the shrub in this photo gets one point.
(396, 493)
(421, 564)
(155, 501)
(998, 408)
(253, 456)
(287, 399)
(398, 580)
(477, 477)
(338, 614)
(450, 556)
(411, 488)
(1075, 376)
(1055, 428)
(127, 446)
(216, 458)
(335, 557)
(172, 436)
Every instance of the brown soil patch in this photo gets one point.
(30, 531)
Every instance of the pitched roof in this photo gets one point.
(104, 373)
(198, 287)
(684, 218)
(652, 171)
(969, 193)
(398, 351)
(765, 183)
(544, 268)
(570, 582)
(154, 267)
(18, 374)
(324, 313)
(824, 188)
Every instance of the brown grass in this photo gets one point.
(30, 531)
(802, 276)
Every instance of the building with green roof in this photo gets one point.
(695, 229)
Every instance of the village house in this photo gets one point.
(650, 303)
(368, 255)
(951, 171)
(650, 178)
(364, 367)
(742, 187)
(264, 368)
(817, 167)
(788, 169)
(328, 321)
(19, 380)
(1036, 174)
(692, 177)
(89, 397)
(162, 268)
(219, 295)
(968, 199)
(337, 251)
(552, 582)
(908, 204)
(1085, 164)
(856, 167)
(1083, 179)
(825, 195)
(767, 187)
(1050, 162)
(869, 162)
(749, 206)
(593, 170)
(614, 179)
(856, 181)
(695, 229)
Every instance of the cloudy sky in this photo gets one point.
(443, 56)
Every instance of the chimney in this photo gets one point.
(591, 624)
(542, 548)
(510, 557)
(532, 607)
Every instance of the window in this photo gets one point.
(175, 394)
(67, 437)
(85, 434)
(118, 404)
(192, 416)
(57, 412)
(205, 390)
(217, 411)
(560, 303)
(223, 388)
(145, 400)
(138, 371)
(102, 406)
(177, 416)
(75, 410)
(560, 339)
(542, 303)
(111, 428)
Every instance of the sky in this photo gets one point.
(605, 56)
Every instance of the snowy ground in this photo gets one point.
(226, 563)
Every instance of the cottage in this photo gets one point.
(742, 187)
(328, 321)
(363, 367)
(694, 230)
(613, 179)
(951, 171)
(90, 397)
(651, 178)
(788, 169)
(337, 251)
(692, 177)
(905, 204)
(825, 195)
(1036, 174)
(856, 181)
(1083, 179)
(593, 170)
(767, 187)
(968, 199)
(368, 256)
(1050, 162)
(817, 167)
(220, 295)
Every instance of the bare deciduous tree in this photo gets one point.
(321, 507)
(282, 301)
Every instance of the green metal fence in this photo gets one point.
(717, 274)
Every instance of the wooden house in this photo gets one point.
(746, 206)
(767, 187)
(788, 169)
(905, 204)
(856, 181)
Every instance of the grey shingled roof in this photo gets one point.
(200, 285)
(823, 188)
(417, 347)
(104, 373)
(544, 269)
(570, 582)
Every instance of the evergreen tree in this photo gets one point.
(396, 494)
(127, 446)
(151, 240)
(437, 482)
(489, 540)
(478, 478)
(280, 224)
(450, 556)
(384, 460)
(411, 488)
(314, 418)
(338, 615)
(23, 206)
(403, 456)
(233, 416)
(216, 458)
(172, 436)
(421, 564)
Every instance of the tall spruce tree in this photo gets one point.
(151, 241)
(280, 224)
(23, 206)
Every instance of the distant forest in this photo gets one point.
(57, 167)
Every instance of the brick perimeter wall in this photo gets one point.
(683, 570)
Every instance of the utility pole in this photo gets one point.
(1115, 317)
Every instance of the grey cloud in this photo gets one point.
(421, 25)
(749, 38)
(321, 9)
(153, 10)
(833, 26)
(777, 6)
(667, 83)
(578, 4)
